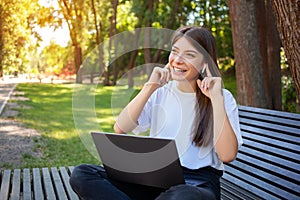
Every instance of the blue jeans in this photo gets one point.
(90, 182)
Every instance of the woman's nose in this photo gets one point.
(178, 59)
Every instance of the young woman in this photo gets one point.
(186, 101)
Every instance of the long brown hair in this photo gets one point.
(202, 39)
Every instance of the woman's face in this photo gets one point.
(185, 61)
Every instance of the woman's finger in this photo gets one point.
(199, 83)
(167, 66)
(207, 70)
(164, 76)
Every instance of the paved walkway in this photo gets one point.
(6, 90)
(15, 139)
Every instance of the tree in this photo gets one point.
(214, 15)
(269, 45)
(53, 58)
(112, 44)
(274, 65)
(288, 20)
(74, 15)
(99, 12)
(1, 41)
(15, 35)
(248, 61)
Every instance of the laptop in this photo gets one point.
(139, 159)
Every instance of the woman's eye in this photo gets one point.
(173, 51)
(190, 55)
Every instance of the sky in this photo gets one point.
(60, 36)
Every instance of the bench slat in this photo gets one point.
(26, 185)
(65, 177)
(270, 126)
(280, 114)
(232, 191)
(16, 183)
(275, 143)
(292, 166)
(71, 168)
(48, 184)
(271, 134)
(5, 185)
(272, 150)
(37, 184)
(257, 185)
(268, 173)
(270, 119)
(245, 184)
(58, 184)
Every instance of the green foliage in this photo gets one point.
(78, 14)
(15, 35)
(53, 58)
(214, 14)
(126, 20)
(230, 84)
(288, 90)
(288, 94)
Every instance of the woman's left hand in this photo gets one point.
(210, 86)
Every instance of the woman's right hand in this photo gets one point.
(128, 117)
(160, 76)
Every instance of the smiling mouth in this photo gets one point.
(179, 70)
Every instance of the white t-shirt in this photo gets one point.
(170, 113)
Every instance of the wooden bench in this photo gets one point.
(46, 183)
(268, 164)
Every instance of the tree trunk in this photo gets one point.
(72, 12)
(269, 44)
(273, 53)
(98, 28)
(112, 43)
(263, 46)
(133, 58)
(147, 38)
(287, 15)
(249, 73)
(110, 48)
(78, 61)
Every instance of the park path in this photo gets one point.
(6, 90)
(15, 139)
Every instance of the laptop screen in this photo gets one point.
(140, 160)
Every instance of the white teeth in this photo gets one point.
(179, 70)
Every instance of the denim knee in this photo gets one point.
(186, 192)
(82, 172)
(76, 175)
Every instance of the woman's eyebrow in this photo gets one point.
(189, 51)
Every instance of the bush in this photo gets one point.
(289, 96)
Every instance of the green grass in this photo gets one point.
(51, 115)
(54, 114)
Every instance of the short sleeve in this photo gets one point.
(144, 120)
(233, 115)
